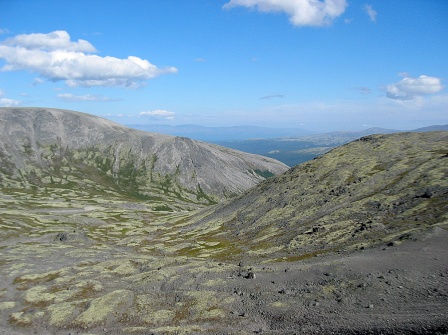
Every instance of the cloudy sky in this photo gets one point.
(313, 64)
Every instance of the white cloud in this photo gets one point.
(4, 31)
(56, 40)
(412, 88)
(79, 98)
(301, 12)
(55, 57)
(371, 12)
(5, 102)
(159, 114)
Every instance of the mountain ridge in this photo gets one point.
(46, 145)
(222, 133)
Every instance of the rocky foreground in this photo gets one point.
(354, 242)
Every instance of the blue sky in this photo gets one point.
(318, 65)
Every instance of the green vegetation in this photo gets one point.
(162, 208)
(265, 173)
(200, 194)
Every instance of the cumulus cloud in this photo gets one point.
(56, 40)
(80, 98)
(5, 102)
(159, 114)
(55, 57)
(371, 12)
(411, 88)
(300, 12)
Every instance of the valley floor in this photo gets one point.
(83, 264)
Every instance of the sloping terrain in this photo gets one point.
(354, 242)
(376, 190)
(65, 149)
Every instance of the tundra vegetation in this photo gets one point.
(98, 240)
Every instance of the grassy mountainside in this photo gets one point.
(64, 149)
(378, 189)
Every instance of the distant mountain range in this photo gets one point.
(215, 134)
(241, 133)
(299, 149)
(432, 128)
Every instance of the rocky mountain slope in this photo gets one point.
(49, 147)
(379, 189)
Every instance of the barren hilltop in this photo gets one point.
(106, 230)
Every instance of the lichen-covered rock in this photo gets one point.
(158, 317)
(62, 314)
(38, 295)
(106, 308)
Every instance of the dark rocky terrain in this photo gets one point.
(354, 242)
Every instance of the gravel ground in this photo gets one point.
(395, 289)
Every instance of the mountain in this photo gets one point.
(376, 190)
(336, 138)
(215, 134)
(58, 148)
(433, 128)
